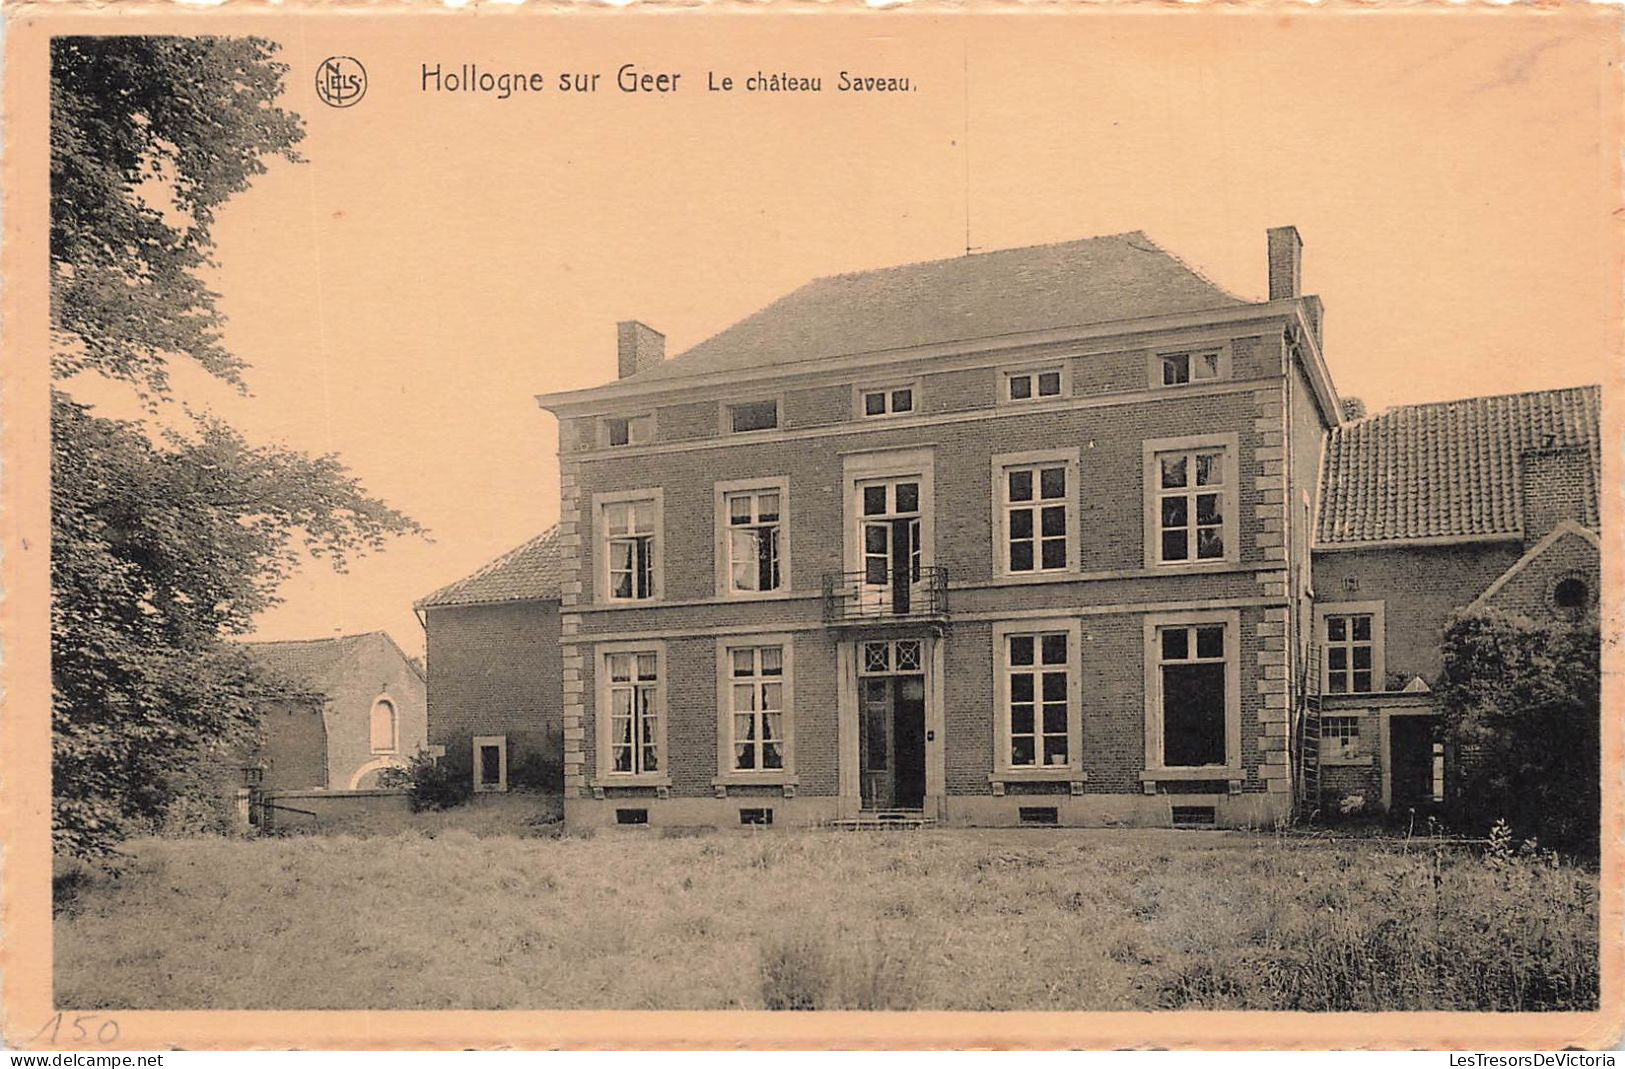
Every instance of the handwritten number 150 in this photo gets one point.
(81, 1024)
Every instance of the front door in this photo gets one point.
(891, 741)
(1411, 763)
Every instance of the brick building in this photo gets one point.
(1018, 537)
(1424, 510)
(341, 710)
(495, 697)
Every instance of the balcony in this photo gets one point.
(851, 601)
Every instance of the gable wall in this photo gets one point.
(496, 670)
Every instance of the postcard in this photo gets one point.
(856, 527)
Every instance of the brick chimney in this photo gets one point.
(1557, 485)
(1286, 263)
(641, 347)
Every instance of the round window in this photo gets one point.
(1570, 593)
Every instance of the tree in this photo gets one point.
(1353, 408)
(1521, 709)
(164, 542)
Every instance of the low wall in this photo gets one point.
(323, 811)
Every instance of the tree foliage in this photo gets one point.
(1353, 408)
(164, 542)
(1521, 705)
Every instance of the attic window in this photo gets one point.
(1190, 366)
(889, 401)
(1033, 384)
(753, 416)
(625, 430)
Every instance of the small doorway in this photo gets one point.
(1415, 764)
(891, 724)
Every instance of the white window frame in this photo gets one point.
(1003, 769)
(394, 745)
(1229, 499)
(727, 414)
(726, 773)
(1003, 464)
(1190, 350)
(632, 420)
(917, 464)
(501, 743)
(1358, 754)
(601, 541)
(1063, 368)
(860, 395)
(603, 709)
(721, 543)
(1373, 609)
(1155, 769)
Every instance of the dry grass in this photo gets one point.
(958, 920)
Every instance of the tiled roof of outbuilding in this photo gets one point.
(1449, 469)
(1006, 291)
(531, 572)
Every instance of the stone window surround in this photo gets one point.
(1230, 500)
(1155, 770)
(1003, 771)
(1374, 609)
(779, 484)
(727, 775)
(602, 715)
(501, 743)
(1002, 462)
(601, 544)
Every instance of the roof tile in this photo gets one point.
(531, 572)
(1450, 468)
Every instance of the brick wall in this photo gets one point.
(1556, 485)
(1110, 502)
(1420, 587)
(495, 670)
(1530, 591)
(293, 745)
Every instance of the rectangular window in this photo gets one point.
(1349, 650)
(1197, 365)
(753, 416)
(1035, 513)
(1437, 779)
(629, 548)
(1192, 666)
(753, 539)
(626, 430)
(756, 707)
(1339, 738)
(887, 401)
(490, 763)
(1190, 504)
(1037, 670)
(634, 712)
(1034, 384)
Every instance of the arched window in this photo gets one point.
(383, 726)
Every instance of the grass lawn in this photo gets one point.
(1023, 919)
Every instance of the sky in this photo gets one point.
(441, 258)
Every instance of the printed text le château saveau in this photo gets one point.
(503, 83)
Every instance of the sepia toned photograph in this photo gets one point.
(600, 511)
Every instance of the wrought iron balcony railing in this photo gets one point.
(851, 599)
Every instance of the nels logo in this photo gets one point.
(341, 81)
